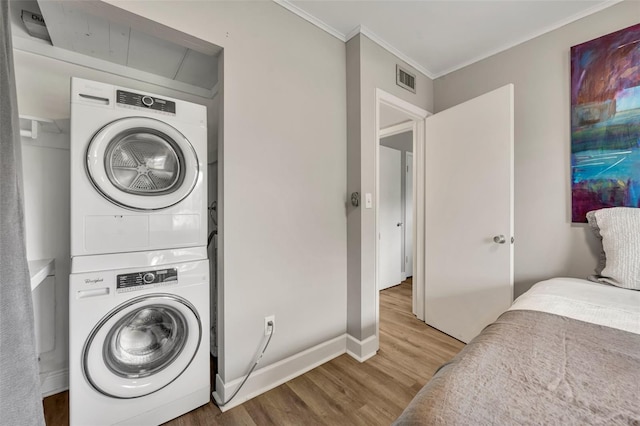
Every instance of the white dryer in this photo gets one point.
(138, 344)
(138, 171)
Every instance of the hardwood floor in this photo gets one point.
(342, 391)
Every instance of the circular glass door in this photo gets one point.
(142, 164)
(142, 346)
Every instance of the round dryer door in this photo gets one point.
(142, 164)
(142, 346)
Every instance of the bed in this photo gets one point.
(567, 352)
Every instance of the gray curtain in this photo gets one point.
(20, 398)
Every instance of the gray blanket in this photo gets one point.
(535, 368)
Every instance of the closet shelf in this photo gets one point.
(31, 126)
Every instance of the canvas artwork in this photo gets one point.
(605, 122)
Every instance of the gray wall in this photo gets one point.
(354, 231)
(369, 66)
(403, 142)
(283, 159)
(547, 244)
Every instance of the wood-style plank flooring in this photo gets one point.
(341, 391)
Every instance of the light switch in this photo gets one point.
(368, 200)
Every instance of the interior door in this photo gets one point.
(469, 214)
(390, 218)
(408, 216)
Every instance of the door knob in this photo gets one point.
(355, 199)
(499, 239)
(399, 224)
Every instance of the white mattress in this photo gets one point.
(585, 301)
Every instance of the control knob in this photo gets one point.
(148, 278)
(147, 101)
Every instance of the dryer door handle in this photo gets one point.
(82, 294)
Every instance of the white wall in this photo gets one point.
(369, 67)
(46, 191)
(43, 89)
(403, 142)
(283, 238)
(547, 244)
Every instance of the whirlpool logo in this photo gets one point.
(93, 280)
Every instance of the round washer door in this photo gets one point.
(141, 163)
(142, 346)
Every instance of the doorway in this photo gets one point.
(481, 290)
(396, 204)
(399, 198)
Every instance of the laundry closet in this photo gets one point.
(102, 204)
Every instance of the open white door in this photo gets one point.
(390, 217)
(468, 205)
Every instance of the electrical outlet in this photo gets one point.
(272, 319)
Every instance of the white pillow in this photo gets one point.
(620, 231)
(602, 256)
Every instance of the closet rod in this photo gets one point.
(38, 124)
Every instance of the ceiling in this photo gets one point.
(434, 36)
(115, 43)
(438, 37)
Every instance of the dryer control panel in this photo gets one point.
(145, 101)
(146, 279)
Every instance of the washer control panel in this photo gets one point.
(145, 101)
(146, 279)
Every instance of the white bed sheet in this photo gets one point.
(585, 301)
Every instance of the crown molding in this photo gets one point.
(391, 49)
(360, 29)
(402, 56)
(354, 32)
(312, 19)
(590, 11)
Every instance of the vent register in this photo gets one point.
(405, 79)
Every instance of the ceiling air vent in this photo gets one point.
(405, 79)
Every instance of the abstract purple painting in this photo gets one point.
(605, 122)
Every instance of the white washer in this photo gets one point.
(138, 171)
(138, 344)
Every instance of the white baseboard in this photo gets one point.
(278, 373)
(54, 382)
(362, 350)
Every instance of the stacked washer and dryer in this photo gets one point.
(139, 283)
